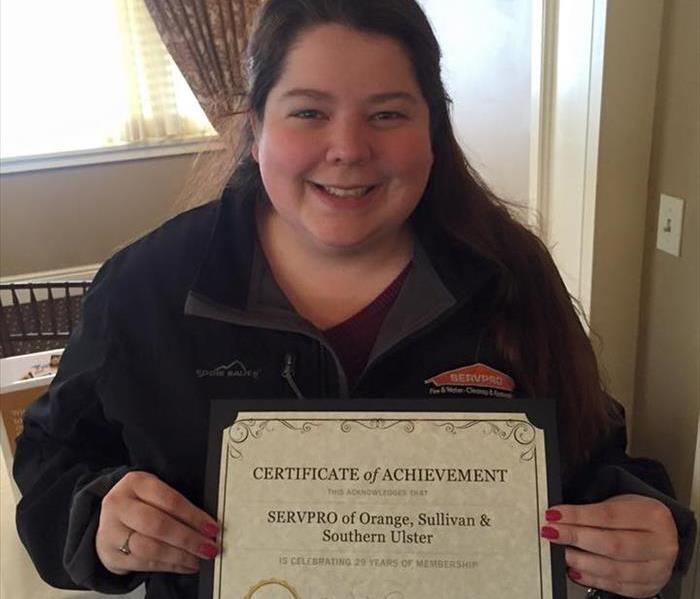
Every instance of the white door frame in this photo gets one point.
(567, 82)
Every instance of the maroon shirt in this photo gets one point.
(353, 339)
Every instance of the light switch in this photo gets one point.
(668, 236)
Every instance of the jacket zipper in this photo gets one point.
(322, 370)
(288, 374)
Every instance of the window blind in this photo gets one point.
(88, 74)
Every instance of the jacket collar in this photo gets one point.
(234, 275)
(224, 274)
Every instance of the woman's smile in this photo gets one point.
(345, 198)
(345, 192)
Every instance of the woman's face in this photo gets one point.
(344, 147)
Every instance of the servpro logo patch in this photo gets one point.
(477, 379)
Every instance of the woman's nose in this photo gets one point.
(348, 143)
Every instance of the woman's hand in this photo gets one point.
(147, 526)
(626, 545)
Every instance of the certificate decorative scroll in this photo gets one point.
(382, 505)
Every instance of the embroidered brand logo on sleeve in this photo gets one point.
(234, 369)
(476, 375)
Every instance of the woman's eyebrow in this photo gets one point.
(317, 94)
(314, 94)
(389, 96)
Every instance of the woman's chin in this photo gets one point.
(341, 245)
(342, 239)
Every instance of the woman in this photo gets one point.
(354, 253)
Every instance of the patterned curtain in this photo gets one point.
(207, 40)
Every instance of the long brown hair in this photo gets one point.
(533, 321)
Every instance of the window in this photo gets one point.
(80, 76)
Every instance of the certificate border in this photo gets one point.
(540, 413)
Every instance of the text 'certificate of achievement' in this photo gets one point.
(383, 504)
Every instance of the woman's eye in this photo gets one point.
(308, 114)
(388, 115)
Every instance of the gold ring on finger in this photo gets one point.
(124, 547)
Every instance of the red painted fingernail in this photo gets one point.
(574, 575)
(549, 533)
(552, 515)
(208, 551)
(210, 530)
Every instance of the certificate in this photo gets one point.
(375, 501)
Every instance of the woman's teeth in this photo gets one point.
(354, 192)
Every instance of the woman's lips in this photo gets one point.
(345, 199)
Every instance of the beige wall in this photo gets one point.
(668, 361)
(70, 217)
(632, 42)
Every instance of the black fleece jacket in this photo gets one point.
(163, 314)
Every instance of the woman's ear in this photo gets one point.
(254, 127)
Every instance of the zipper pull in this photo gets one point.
(288, 374)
